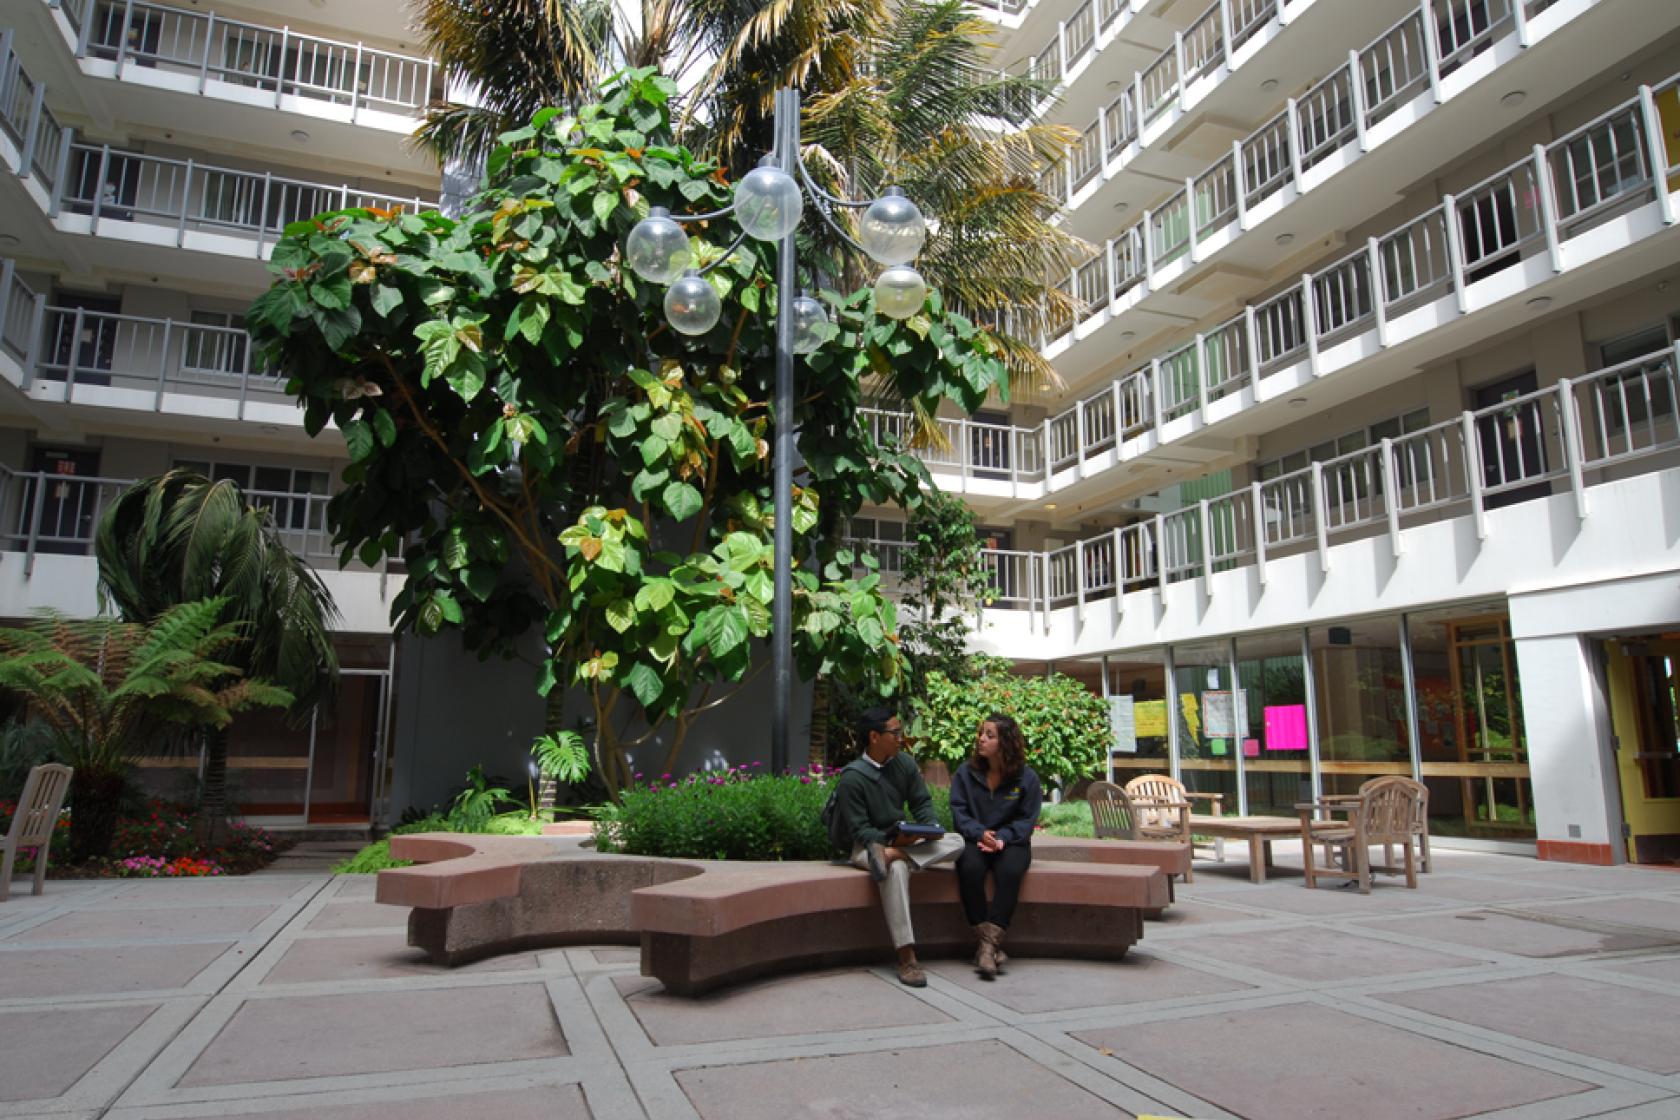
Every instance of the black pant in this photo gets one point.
(1008, 867)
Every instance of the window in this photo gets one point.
(1392, 428)
(215, 344)
(1624, 409)
(295, 497)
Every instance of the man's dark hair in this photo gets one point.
(874, 719)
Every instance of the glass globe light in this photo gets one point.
(768, 203)
(892, 230)
(900, 292)
(692, 305)
(657, 248)
(809, 319)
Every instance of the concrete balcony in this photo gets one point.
(48, 521)
(1327, 162)
(132, 363)
(188, 70)
(136, 203)
(1594, 208)
(1566, 484)
(1183, 90)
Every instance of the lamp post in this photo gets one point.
(767, 205)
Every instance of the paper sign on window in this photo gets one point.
(1286, 727)
(1122, 723)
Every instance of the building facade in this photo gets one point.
(1363, 457)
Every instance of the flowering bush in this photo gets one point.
(26, 856)
(729, 814)
(161, 841)
(156, 867)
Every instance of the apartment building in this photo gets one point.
(1364, 456)
(152, 155)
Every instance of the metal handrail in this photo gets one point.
(214, 48)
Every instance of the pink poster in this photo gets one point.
(1251, 748)
(1286, 727)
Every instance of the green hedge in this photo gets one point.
(1065, 724)
(727, 815)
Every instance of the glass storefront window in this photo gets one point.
(1360, 696)
(1470, 734)
(1206, 714)
(1276, 759)
(1141, 679)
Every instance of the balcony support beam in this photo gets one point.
(1379, 292)
(1321, 517)
(1257, 498)
(1569, 434)
(1473, 474)
(1356, 99)
(1391, 498)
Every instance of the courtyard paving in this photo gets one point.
(1503, 987)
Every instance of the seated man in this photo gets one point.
(872, 796)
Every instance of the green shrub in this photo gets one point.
(1070, 818)
(371, 859)
(727, 815)
(1065, 724)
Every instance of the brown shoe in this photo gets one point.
(910, 974)
(986, 960)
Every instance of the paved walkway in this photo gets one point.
(1504, 987)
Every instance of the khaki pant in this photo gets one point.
(895, 888)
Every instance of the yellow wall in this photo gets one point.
(1645, 816)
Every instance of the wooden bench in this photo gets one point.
(702, 924)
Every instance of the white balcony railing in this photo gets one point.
(1604, 424)
(1599, 172)
(91, 352)
(208, 52)
(46, 513)
(1407, 59)
(177, 196)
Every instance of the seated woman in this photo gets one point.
(995, 799)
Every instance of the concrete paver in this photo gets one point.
(1501, 985)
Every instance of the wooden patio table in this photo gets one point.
(1258, 831)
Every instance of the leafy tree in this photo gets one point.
(945, 581)
(179, 538)
(1065, 724)
(107, 688)
(896, 93)
(543, 450)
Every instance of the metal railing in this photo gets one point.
(25, 119)
(46, 513)
(85, 350)
(1408, 59)
(1605, 424)
(107, 184)
(1580, 181)
(207, 48)
(112, 185)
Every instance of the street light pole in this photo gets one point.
(767, 204)
(781, 604)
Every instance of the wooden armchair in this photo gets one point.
(1162, 806)
(33, 823)
(1112, 815)
(1386, 811)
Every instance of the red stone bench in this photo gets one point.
(702, 924)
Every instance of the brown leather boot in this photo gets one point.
(990, 934)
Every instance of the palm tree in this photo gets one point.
(178, 537)
(897, 93)
(106, 688)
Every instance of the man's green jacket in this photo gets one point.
(871, 801)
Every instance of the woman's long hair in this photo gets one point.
(1012, 746)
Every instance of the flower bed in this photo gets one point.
(159, 841)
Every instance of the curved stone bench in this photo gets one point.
(702, 923)
(475, 896)
(759, 919)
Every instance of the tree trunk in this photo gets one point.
(212, 798)
(95, 797)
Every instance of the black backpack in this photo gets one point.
(839, 829)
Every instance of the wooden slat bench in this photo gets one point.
(702, 924)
